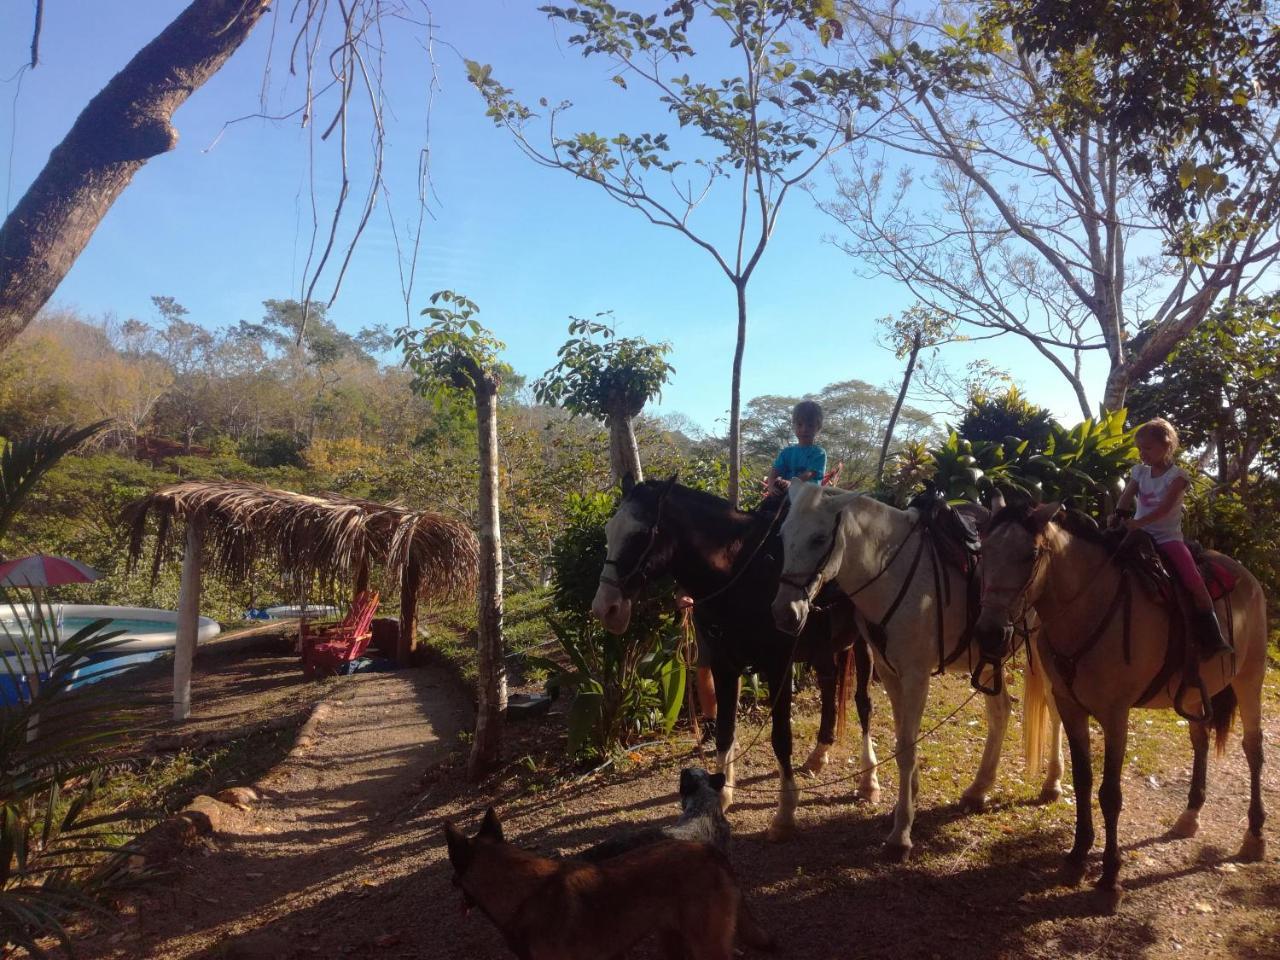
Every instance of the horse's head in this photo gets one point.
(1012, 567)
(812, 549)
(637, 550)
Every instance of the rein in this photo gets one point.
(750, 560)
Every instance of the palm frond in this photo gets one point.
(25, 460)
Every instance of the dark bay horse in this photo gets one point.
(1109, 647)
(729, 562)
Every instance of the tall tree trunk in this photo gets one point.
(735, 403)
(486, 750)
(624, 454)
(916, 340)
(124, 126)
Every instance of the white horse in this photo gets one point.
(880, 556)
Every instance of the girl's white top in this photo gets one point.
(1151, 492)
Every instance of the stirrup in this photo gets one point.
(997, 675)
(1206, 708)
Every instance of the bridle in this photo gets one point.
(809, 585)
(621, 580)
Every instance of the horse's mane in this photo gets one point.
(705, 500)
(1074, 522)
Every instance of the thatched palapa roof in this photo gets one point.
(326, 538)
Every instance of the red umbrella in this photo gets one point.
(45, 571)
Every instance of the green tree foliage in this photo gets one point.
(1221, 387)
(609, 378)
(1190, 87)
(454, 352)
(998, 208)
(998, 416)
(757, 127)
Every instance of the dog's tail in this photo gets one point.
(750, 933)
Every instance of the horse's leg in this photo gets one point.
(1076, 724)
(908, 694)
(726, 729)
(1189, 822)
(1249, 698)
(784, 821)
(828, 675)
(1115, 731)
(975, 798)
(1051, 790)
(869, 783)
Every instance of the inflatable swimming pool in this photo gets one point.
(145, 629)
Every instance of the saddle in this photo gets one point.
(1139, 555)
(955, 534)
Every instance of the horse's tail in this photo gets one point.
(1035, 719)
(1224, 712)
(844, 673)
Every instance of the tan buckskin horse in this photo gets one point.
(880, 558)
(1105, 643)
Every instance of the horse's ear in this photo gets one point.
(628, 482)
(1042, 514)
(671, 482)
(491, 827)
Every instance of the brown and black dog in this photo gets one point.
(569, 910)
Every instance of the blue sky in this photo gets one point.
(223, 228)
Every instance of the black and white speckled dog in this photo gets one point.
(701, 820)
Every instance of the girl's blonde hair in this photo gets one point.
(1161, 430)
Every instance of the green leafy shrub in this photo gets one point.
(1086, 464)
(622, 685)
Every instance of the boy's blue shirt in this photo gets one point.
(795, 459)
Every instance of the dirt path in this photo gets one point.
(316, 868)
(344, 856)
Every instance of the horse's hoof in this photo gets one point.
(780, 832)
(1111, 895)
(1072, 873)
(812, 768)
(897, 852)
(1187, 825)
(1253, 848)
(1051, 793)
(870, 795)
(971, 802)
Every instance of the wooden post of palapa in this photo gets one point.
(188, 620)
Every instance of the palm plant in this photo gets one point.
(54, 856)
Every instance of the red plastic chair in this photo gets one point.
(326, 647)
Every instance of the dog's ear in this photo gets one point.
(491, 827)
(628, 482)
(717, 781)
(688, 783)
(459, 848)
